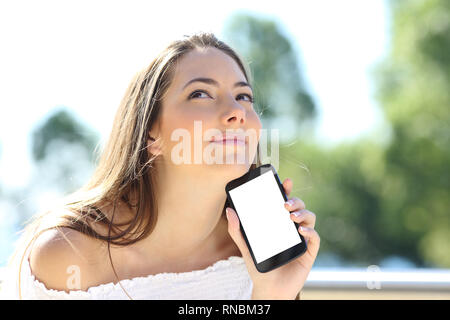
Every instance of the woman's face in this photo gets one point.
(194, 113)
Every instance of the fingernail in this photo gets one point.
(290, 203)
(296, 213)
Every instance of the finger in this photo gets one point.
(306, 217)
(235, 233)
(294, 203)
(312, 239)
(287, 185)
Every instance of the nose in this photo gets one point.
(236, 113)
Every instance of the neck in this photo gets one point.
(190, 224)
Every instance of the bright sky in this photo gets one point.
(82, 54)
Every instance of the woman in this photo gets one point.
(146, 226)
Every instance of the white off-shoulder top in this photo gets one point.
(225, 279)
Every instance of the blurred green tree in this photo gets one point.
(61, 125)
(64, 150)
(414, 91)
(341, 186)
(375, 201)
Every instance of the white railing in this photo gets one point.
(377, 283)
(372, 283)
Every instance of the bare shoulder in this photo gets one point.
(66, 259)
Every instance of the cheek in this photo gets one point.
(192, 121)
(175, 119)
(180, 127)
(254, 122)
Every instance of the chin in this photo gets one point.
(228, 171)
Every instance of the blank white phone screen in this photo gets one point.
(266, 222)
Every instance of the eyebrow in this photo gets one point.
(215, 83)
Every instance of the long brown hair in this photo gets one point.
(124, 167)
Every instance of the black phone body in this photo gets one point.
(277, 241)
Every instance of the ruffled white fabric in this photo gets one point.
(225, 279)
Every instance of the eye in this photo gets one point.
(249, 97)
(193, 94)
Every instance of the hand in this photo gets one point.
(286, 281)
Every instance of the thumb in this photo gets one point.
(236, 235)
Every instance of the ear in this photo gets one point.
(153, 144)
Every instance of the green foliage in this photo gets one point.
(64, 151)
(62, 126)
(373, 201)
(341, 187)
(414, 90)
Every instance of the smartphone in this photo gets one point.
(258, 198)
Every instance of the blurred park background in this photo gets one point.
(360, 91)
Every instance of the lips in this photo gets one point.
(229, 138)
